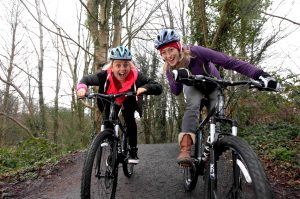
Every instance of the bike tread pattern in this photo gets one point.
(255, 169)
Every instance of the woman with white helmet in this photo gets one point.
(120, 75)
(180, 62)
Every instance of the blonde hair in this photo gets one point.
(109, 65)
(184, 60)
(106, 66)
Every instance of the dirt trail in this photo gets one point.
(157, 176)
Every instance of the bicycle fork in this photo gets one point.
(214, 131)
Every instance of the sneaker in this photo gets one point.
(133, 158)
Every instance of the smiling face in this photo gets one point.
(121, 69)
(171, 55)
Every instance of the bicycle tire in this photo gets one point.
(101, 156)
(229, 149)
(127, 168)
(190, 176)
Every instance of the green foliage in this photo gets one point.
(34, 150)
(251, 108)
(278, 142)
(7, 159)
(27, 154)
(283, 154)
(237, 24)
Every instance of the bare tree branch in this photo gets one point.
(54, 32)
(18, 123)
(20, 92)
(284, 18)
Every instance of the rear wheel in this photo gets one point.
(237, 171)
(100, 172)
(127, 168)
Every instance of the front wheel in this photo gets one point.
(236, 172)
(100, 170)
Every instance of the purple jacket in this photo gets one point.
(202, 62)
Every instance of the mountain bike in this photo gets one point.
(229, 166)
(107, 149)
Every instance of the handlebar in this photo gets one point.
(110, 97)
(226, 83)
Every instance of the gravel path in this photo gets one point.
(157, 176)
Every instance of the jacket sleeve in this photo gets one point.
(228, 62)
(96, 79)
(90, 80)
(153, 87)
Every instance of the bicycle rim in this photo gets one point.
(238, 171)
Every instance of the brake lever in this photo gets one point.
(89, 95)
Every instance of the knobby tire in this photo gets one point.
(227, 148)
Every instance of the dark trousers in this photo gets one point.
(128, 109)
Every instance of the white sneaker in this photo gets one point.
(133, 161)
(133, 158)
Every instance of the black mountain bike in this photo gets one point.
(108, 149)
(229, 166)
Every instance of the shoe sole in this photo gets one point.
(185, 163)
(133, 161)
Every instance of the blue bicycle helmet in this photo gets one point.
(120, 53)
(166, 36)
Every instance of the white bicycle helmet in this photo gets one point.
(166, 36)
(120, 53)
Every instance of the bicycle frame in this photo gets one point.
(114, 120)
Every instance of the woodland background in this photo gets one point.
(41, 62)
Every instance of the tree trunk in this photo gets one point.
(42, 113)
(6, 95)
(203, 21)
(98, 18)
(57, 88)
(223, 25)
(117, 22)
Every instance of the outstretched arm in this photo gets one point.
(148, 86)
(88, 80)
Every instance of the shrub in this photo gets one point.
(283, 154)
(27, 154)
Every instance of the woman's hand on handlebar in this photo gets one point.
(140, 91)
(181, 73)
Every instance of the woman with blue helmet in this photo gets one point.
(120, 75)
(181, 61)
